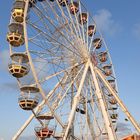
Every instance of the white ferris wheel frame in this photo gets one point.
(95, 72)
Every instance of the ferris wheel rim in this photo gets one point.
(37, 81)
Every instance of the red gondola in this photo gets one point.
(43, 132)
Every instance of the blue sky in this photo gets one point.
(119, 22)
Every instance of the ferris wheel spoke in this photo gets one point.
(70, 84)
(62, 71)
(86, 33)
(44, 53)
(56, 46)
(51, 52)
(66, 91)
(61, 33)
(94, 108)
(47, 6)
(53, 60)
(56, 63)
(37, 110)
(57, 55)
(82, 25)
(45, 50)
(88, 118)
(75, 101)
(75, 25)
(89, 113)
(57, 97)
(90, 45)
(62, 45)
(50, 76)
(51, 21)
(65, 18)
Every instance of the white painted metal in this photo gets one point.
(37, 110)
(90, 125)
(123, 107)
(17, 135)
(75, 102)
(32, 66)
(111, 133)
(81, 33)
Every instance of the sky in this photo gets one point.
(119, 22)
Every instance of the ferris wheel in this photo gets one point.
(64, 71)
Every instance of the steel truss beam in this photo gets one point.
(37, 110)
(114, 93)
(95, 72)
(108, 124)
(75, 102)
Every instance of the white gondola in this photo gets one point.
(18, 10)
(45, 116)
(29, 97)
(15, 35)
(19, 67)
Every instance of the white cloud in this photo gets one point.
(136, 30)
(106, 23)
